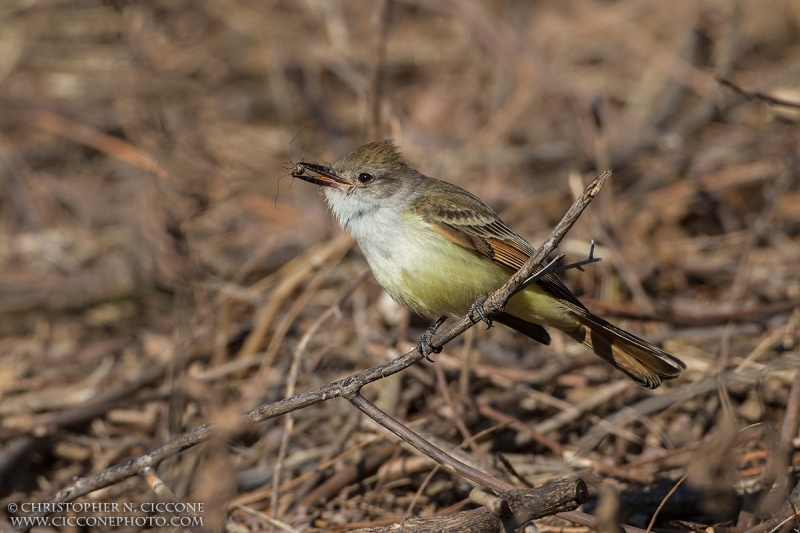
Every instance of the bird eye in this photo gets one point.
(365, 178)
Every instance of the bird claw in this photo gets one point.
(477, 309)
(425, 344)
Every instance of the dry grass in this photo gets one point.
(159, 268)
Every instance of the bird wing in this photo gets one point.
(464, 219)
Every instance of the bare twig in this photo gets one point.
(494, 503)
(166, 495)
(271, 521)
(661, 505)
(377, 456)
(754, 314)
(315, 258)
(98, 405)
(294, 369)
(383, 12)
(444, 459)
(93, 138)
(456, 417)
(433, 472)
(773, 479)
(757, 95)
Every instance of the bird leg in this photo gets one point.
(425, 346)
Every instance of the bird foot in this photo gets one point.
(425, 345)
(477, 309)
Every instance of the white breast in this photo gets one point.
(381, 234)
(384, 236)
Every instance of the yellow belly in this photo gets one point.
(435, 277)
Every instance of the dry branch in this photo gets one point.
(519, 506)
(165, 494)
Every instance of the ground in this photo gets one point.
(160, 268)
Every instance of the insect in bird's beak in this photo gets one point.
(326, 176)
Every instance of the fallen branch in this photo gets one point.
(514, 508)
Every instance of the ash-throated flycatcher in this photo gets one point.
(436, 248)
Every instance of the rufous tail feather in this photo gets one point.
(643, 362)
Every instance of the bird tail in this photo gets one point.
(643, 362)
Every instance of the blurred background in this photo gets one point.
(160, 268)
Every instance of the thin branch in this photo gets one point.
(447, 461)
(383, 13)
(753, 314)
(98, 405)
(165, 494)
(271, 521)
(664, 501)
(756, 95)
(441, 380)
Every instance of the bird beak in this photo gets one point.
(325, 176)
